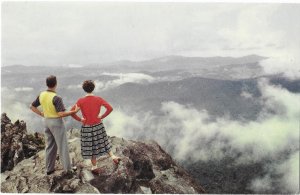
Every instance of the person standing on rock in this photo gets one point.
(94, 140)
(53, 110)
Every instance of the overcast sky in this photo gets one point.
(57, 33)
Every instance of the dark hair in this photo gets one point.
(51, 81)
(88, 86)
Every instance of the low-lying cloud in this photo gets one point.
(289, 182)
(23, 89)
(74, 86)
(123, 78)
(189, 133)
(17, 109)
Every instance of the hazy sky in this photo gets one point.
(56, 33)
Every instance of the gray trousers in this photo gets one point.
(56, 139)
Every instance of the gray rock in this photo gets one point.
(146, 190)
(74, 184)
(144, 168)
(16, 143)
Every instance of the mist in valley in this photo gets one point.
(234, 130)
(217, 88)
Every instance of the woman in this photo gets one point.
(94, 140)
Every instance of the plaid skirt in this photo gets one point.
(94, 141)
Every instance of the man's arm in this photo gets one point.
(36, 103)
(60, 108)
(35, 110)
(68, 113)
(75, 116)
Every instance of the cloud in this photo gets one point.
(122, 122)
(290, 171)
(261, 184)
(258, 29)
(18, 89)
(288, 183)
(74, 66)
(271, 134)
(111, 31)
(246, 95)
(19, 110)
(123, 78)
(74, 86)
(286, 62)
(188, 133)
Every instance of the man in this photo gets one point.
(53, 111)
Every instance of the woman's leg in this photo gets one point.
(94, 160)
(94, 167)
(115, 158)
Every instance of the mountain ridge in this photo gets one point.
(247, 59)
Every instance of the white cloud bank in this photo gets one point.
(23, 89)
(289, 182)
(122, 79)
(19, 110)
(188, 133)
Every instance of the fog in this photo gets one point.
(77, 33)
(188, 134)
(108, 43)
(121, 79)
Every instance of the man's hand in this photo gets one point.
(83, 120)
(76, 108)
(68, 113)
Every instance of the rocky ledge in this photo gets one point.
(16, 143)
(144, 168)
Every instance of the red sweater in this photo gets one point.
(90, 109)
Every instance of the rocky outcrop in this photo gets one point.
(16, 143)
(144, 168)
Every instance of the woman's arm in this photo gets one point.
(108, 107)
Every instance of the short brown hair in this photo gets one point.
(51, 81)
(88, 86)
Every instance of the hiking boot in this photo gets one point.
(50, 172)
(97, 171)
(74, 168)
(69, 174)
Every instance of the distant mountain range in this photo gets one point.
(220, 85)
(216, 96)
(229, 68)
(165, 63)
(181, 62)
